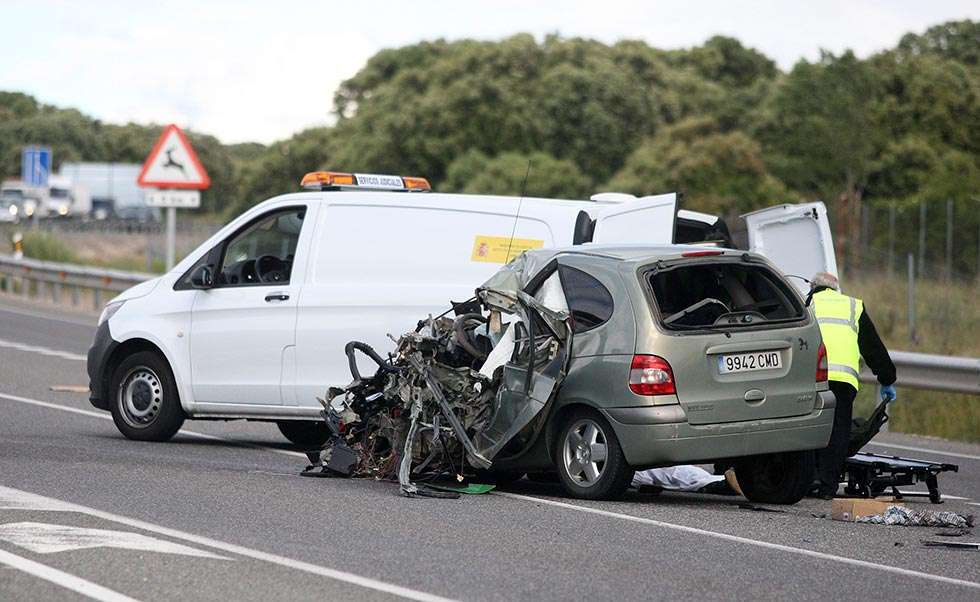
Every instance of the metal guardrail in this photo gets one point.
(933, 372)
(30, 277)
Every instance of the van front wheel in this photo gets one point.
(145, 405)
(782, 478)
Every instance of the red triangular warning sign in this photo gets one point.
(173, 163)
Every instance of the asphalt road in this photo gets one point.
(219, 512)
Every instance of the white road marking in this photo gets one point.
(107, 416)
(299, 565)
(91, 323)
(744, 540)
(946, 496)
(45, 538)
(63, 579)
(927, 451)
(42, 350)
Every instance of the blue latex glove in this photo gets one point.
(888, 393)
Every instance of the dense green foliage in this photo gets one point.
(719, 123)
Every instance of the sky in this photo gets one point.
(261, 71)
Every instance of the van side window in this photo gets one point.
(262, 253)
(589, 302)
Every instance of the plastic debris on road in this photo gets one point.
(906, 517)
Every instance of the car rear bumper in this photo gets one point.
(661, 435)
(98, 358)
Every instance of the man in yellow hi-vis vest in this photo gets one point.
(848, 335)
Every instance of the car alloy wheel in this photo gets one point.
(584, 452)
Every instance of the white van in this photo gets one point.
(253, 323)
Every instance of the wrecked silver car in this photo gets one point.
(456, 393)
(593, 362)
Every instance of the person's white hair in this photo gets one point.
(825, 279)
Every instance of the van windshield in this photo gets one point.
(722, 294)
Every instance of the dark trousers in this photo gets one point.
(830, 461)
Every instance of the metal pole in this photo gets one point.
(171, 236)
(949, 240)
(891, 239)
(911, 298)
(922, 237)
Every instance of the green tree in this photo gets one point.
(955, 40)
(717, 172)
(476, 173)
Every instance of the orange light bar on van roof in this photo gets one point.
(321, 179)
(326, 180)
(701, 253)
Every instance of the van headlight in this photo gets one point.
(110, 310)
(12, 209)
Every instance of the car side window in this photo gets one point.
(263, 252)
(589, 302)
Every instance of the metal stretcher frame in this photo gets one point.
(869, 475)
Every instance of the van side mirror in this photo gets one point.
(202, 277)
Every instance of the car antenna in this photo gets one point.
(517, 215)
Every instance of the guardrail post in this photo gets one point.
(25, 287)
(97, 299)
(41, 290)
(74, 296)
(911, 299)
(56, 292)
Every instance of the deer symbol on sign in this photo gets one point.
(172, 163)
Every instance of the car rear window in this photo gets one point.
(722, 294)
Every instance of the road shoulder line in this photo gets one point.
(925, 450)
(744, 540)
(107, 416)
(65, 355)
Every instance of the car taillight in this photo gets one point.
(822, 364)
(651, 375)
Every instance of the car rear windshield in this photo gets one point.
(722, 294)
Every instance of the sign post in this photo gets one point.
(175, 176)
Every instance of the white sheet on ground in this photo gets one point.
(676, 478)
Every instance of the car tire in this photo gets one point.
(144, 401)
(304, 433)
(782, 478)
(582, 473)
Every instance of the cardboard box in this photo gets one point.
(851, 509)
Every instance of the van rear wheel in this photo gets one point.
(591, 464)
(782, 478)
(145, 404)
(304, 433)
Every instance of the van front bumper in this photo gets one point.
(661, 435)
(98, 358)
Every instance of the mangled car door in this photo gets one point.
(648, 220)
(796, 238)
(537, 345)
